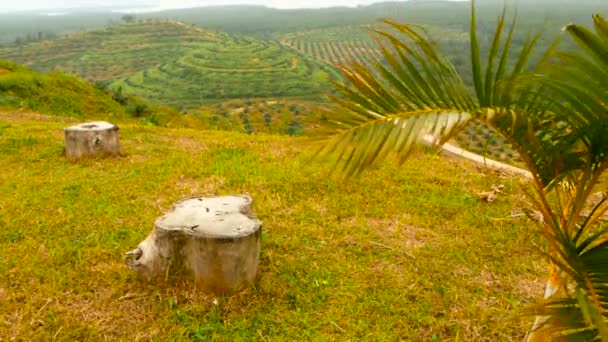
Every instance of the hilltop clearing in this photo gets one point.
(339, 261)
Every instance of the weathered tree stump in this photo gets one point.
(213, 241)
(91, 138)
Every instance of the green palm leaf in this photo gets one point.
(583, 81)
(556, 118)
(578, 82)
(581, 316)
(414, 86)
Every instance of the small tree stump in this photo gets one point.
(91, 138)
(215, 241)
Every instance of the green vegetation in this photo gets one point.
(229, 67)
(112, 52)
(482, 139)
(262, 116)
(344, 44)
(58, 94)
(428, 264)
(554, 117)
(335, 45)
(407, 251)
(55, 93)
(23, 90)
(177, 64)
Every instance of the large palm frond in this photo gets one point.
(580, 314)
(415, 93)
(557, 121)
(579, 82)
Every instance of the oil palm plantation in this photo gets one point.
(553, 113)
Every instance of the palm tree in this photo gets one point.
(555, 117)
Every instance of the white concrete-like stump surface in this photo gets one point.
(92, 138)
(214, 241)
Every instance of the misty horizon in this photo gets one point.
(140, 6)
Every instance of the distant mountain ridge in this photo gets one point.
(267, 22)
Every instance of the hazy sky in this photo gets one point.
(20, 5)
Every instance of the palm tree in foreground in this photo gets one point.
(556, 118)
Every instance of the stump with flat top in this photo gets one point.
(90, 139)
(214, 241)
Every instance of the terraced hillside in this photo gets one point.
(355, 43)
(335, 45)
(112, 52)
(174, 63)
(228, 68)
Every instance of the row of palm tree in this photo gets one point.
(554, 113)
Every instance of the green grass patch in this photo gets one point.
(56, 93)
(401, 253)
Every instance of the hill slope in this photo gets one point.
(111, 52)
(233, 67)
(403, 253)
(174, 63)
(55, 93)
(351, 43)
(23, 90)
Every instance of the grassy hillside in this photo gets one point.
(66, 96)
(63, 96)
(177, 64)
(404, 253)
(55, 93)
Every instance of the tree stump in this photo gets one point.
(213, 241)
(91, 138)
